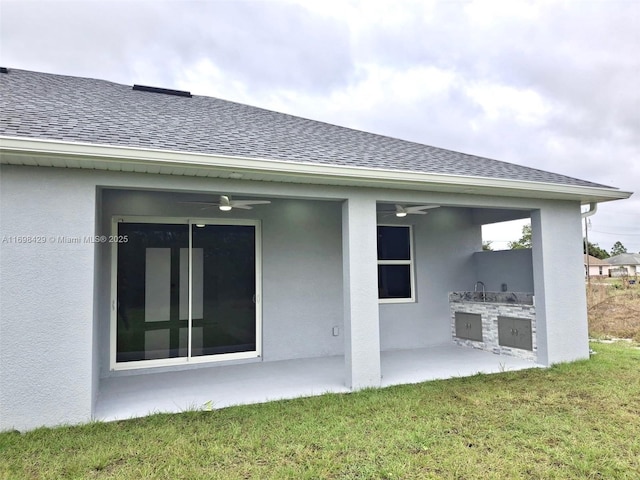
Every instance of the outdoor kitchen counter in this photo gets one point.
(510, 298)
(500, 322)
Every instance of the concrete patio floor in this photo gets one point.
(131, 396)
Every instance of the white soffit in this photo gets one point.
(51, 153)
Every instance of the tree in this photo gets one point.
(596, 251)
(525, 240)
(486, 245)
(617, 249)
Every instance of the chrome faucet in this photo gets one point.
(484, 293)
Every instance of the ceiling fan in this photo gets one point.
(225, 203)
(403, 211)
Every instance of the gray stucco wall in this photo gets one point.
(302, 279)
(511, 267)
(46, 298)
(558, 271)
(444, 243)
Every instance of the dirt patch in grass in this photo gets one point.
(614, 310)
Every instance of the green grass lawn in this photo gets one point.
(579, 420)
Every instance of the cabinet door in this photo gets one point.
(505, 332)
(515, 333)
(522, 333)
(469, 326)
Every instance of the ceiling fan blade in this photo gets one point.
(211, 204)
(400, 209)
(241, 203)
(420, 209)
(226, 203)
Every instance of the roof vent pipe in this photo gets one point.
(593, 208)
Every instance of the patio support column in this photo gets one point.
(558, 275)
(360, 283)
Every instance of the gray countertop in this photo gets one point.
(515, 298)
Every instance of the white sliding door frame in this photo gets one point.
(188, 222)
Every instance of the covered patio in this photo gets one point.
(178, 391)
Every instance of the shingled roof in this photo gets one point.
(625, 259)
(57, 107)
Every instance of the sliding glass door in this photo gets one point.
(224, 289)
(184, 291)
(152, 318)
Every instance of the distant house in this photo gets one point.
(596, 267)
(625, 264)
(161, 249)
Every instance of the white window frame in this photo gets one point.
(410, 262)
(188, 360)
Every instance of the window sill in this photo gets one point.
(383, 301)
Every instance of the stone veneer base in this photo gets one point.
(489, 313)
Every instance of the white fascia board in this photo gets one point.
(355, 176)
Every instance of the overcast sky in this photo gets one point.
(553, 85)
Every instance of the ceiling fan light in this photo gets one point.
(225, 203)
(401, 214)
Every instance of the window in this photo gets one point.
(395, 264)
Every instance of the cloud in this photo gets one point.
(76, 37)
(272, 48)
(142, 41)
(548, 84)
